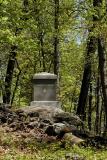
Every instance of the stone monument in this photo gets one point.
(44, 90)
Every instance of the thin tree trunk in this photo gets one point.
(90, 108)
(91, 47)
(41, 44)
(103, 74)
(97, 120)
(56, 38)
(16, 85)
(40, 36)
(11, 64)
(100, 120)
(9, 75)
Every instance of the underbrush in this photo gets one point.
(15, 147)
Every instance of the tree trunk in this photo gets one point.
(97, 120)
(9, 75)
(41, 45)
(90, 108)
(56, 38)
(40, 35)
(16, 85)
(11, 64)
(91, 48)
(103, 74)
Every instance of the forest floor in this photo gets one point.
(17, 146)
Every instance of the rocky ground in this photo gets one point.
(45, 124)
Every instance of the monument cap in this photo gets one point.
(44, 75)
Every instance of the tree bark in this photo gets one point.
(91, 48)
(41, 45)
(97, 120)
(11, 64)
(16, 85)
(40, 36)
(9, 75)
(56, 38)
(103, 74)
(90, 108)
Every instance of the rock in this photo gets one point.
(10, 120)
(33, 114)
(32, 119)
(17, 126)
(3, 119)
(32, 125)
(42, 125)
(44, 111)
(18, 111)
(13, 125)
(69, 137)
(58, 127)
(68, 117)
(77, 157)
(50, 131)
(50, 115)
(47, 121)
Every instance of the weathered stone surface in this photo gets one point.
(68, 117)
(44, 85)
(59, 127)
(69, 137)
(45, 112)
(46, 103)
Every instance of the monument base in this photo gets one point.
(46, 103)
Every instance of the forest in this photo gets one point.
(64, 37)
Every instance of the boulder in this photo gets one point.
(69, 137)
(52, 115)
(68, 117)
(59, 127)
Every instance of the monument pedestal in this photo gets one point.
(46, 103)
(44, 90)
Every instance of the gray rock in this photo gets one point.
(32, 119)
(45, 112)
(32, 125)
(59, 127)
(68, 117)
(53, 114)
(47, 121)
